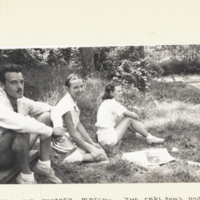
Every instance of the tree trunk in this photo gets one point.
(1, 57)
(141, 50)
(142, 55)
(87, 57)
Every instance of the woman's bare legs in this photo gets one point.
(119, 119)
(125, 123)
(130, 128)
(136, 126)
(121, 127)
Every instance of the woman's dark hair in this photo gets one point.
(110, 88)
(8, 68)
(72, 77)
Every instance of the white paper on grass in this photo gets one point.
(146, 158)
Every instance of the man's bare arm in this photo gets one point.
(74, 133)
(85, 134)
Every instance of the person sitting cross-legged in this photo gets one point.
(69, 120)
(113, 119)
(22, 122)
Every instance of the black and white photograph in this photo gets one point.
(99, 100)
(113, 114)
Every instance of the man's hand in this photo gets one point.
(58, 133)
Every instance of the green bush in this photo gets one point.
(125, 64)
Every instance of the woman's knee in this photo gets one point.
(132, 120)
(21, 142)
(134, 123)
(129, 120)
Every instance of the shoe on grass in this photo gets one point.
(48, 172)
(154, 140)
(73, 158)
(19, 180)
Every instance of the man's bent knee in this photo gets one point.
(21, 142)
(7, 157)
(9, 134)
(6, 139)
(45, 118)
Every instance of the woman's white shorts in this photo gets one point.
(107, 136)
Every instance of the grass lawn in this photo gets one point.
(171, 111)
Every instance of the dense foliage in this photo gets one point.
(46, 69)
(127, 64)
(176, 59)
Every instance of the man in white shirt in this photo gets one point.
(66, 115)
(22, 121)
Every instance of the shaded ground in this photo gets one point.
(189, 80)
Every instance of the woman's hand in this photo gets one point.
(135, 116)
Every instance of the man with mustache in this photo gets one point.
(22, 122)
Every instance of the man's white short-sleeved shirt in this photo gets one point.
(65, 105)
(108, 113)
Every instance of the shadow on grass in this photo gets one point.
(175, 91)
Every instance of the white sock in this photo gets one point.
(27, 177)
(80, 157)
(44, 164)
(74, 157)
(149, 136)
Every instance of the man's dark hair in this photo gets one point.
(72, 77)
(8, 68)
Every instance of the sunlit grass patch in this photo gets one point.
(176, 113)
(174, 91)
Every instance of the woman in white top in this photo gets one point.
(68, 119)
(113, 119)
